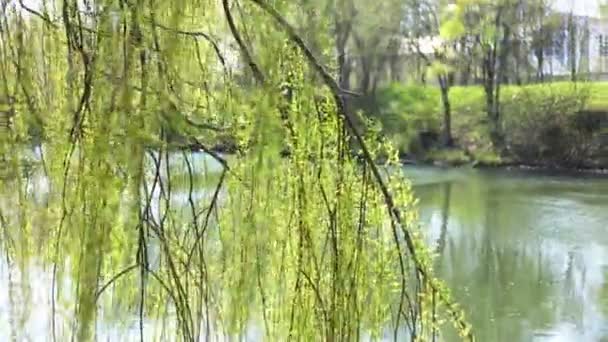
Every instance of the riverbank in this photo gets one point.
(454, 158)
(561, 125)
(521, 242)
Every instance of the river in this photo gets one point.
(525, 253)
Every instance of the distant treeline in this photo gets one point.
(562, 123)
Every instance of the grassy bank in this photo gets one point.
(559, 124)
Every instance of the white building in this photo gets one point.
(591, 39)
(589, 55)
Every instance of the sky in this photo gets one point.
(588, 8)
(580, 7)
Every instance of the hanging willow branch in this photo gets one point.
(257, 73)
(396, 215)
(32, 11)
(196, 34)
(312, 281)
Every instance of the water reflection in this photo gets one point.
(29, 311)
(526, 255)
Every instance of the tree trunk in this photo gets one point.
(494, 121)
(466, 75)
(393, 60)
(495, 68)
(540, 65)
(420, 64)
(491, 88)
(572, 47)
(395, 68)
(447, 139)
(343, 31)
(344, 68)
(492, 72)
(501, 72)
(365, 78)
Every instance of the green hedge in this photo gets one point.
(405, 111)
(598, 100)
(547, 123)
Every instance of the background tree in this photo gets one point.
(491, 25)
(432, 35)
(315, 244)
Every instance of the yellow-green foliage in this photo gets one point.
(404, 110)
(525, 112)
(470, 100)
(451, 156)
(598, 96)
(469, 106)
(128, 229)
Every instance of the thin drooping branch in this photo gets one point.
(257, 73)
(329, 81)
(194, 34)
(212, 153)
(42, 16)
(214, 203)
(197, 34)
(396, 216)
(114, 279)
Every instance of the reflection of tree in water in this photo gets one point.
(15, 316)
(445, 215)
(603, 295)
(573, 281)
(503, 246)
(506, 285)
(501, 287)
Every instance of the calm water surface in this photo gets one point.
(525, 253)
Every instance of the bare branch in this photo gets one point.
(257, 73)
(42, 16)
(396, 217)
(196, 34)
(114, 279)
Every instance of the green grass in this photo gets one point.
(448, 156)
(599, 97)
(405, 110)
(488, 158)
(471, 99)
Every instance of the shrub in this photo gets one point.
(449, 156)
(488, 157)
(469, 119)
(407, 110)
(598, 97)
(556, 122)
(539, 122)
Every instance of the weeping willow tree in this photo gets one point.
(135, 221)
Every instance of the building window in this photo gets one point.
(603, 45)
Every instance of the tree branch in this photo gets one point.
(257, 73)
(196, 34)
(396, 216)
(42, 16)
